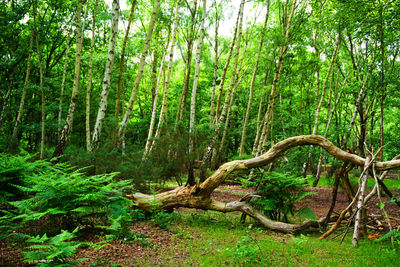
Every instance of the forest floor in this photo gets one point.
(196, 237)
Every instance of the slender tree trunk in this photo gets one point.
(360, 202)
(71, 111)
(62, 87)
(23, 96)
(283, 50)
(182, 102)
(43, 117)
(225, 132)
(107, 76)
(228, 60)
(5, 100)
(217, 19)
(194, 92)
(321, 99)
(89, 84)
(253, 79)
(121, 62)
(128, 111)
(360, 98)
(164, 108)
(149, 140)
(220, 118)
(328, 123)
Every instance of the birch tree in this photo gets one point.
(121, 61)
(287, 22)
(164, 105)
(252, 84)
(71, 111)
(194, 92)
(23, 96)
(107, 76)
(132, 99)
(90, 79)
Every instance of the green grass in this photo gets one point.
(215, 239)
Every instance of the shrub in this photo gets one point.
(52, 251)
(65, 195)
(278, 194)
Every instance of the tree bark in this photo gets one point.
(164, 107)
(23, 96)
(74, 97)
(190, 41)
(217, 19)
(360, 202)
(192, 120)
(43, 117)
(89, 84)
(228, 60)
(62, 87)
(253, 79)
(121, 62)
(149, 140)
(101, 113)
(128, 111)
(283, 50)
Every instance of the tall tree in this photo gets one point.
(192, 120)
(39, 54)
(252, 84)
(90, 79)
(164, 105)
(190, 38)
(75, 87)
(287, 23)
(23, 96)
(121, 61)
(220, 118)
(132, 99)
(101, 113)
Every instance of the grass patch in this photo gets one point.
(215, 239)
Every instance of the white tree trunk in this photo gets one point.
(121, 62)
(252, 84)
(196, 80)
(128, 111)
(360, 202)
(164, 106)
(107, 76)
(71, 111)
(89, 84)
(149, 141)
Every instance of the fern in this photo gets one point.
(279, 193)
(52, 251)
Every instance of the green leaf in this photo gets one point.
(307, 213)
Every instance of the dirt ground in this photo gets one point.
(124, 253)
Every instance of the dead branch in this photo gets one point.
(199, 196)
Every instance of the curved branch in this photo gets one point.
(208, 186)
(199, 196)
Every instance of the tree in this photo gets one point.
(107, 76)
(71, 111)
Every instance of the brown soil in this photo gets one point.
(126, 253)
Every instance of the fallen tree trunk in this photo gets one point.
(198, 196)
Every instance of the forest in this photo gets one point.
(201, 133)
